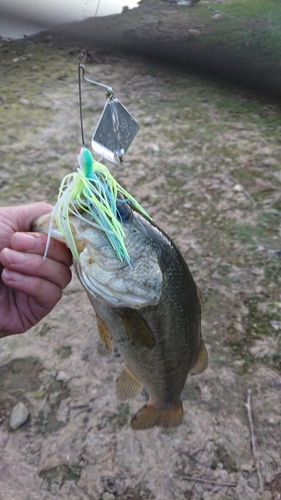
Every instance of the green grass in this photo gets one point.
(252, 29)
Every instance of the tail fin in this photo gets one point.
(148, 416)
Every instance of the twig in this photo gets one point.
(256, 459)
(246, 193)
(207, 481)
(228, 15)
(227, 46)
(108, 455)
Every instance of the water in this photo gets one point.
(10, 28)
(26, 17)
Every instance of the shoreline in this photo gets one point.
(15, 26)
(178, 36)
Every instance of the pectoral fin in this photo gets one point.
(104, 334)
(202, 360)
(127, 385)
(137, 329)
(148, 416)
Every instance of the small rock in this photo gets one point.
(63, 410)
(187, 204)
(194, 32)
(24, 101)
(107, 496)
(217, 16)
(267, 162)
(275, 324)
(74, 51)
(19, 415)
(206, 394)
(267, 495)
(248, 466)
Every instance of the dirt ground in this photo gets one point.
(206, 166)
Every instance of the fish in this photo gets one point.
(149, 309)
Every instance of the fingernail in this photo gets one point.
(11, 275)
(24, 241)
(14, 257)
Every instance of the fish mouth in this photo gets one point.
(100, 287)
(110, 281)
(41, 223)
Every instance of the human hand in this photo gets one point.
(30, 287)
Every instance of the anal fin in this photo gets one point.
(148, 417)
(202, 360)
(127, 385)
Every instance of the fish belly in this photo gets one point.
(161, 368)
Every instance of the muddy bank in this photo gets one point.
(238, 44)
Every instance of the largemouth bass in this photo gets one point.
(150, 310)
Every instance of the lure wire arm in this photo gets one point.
(80, 105)
(109, 94)
(109, 90)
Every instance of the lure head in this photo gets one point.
(93, 190)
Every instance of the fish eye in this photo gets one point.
(123, 212)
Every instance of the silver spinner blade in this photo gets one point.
(115, 131)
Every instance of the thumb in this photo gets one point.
(24, 215)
